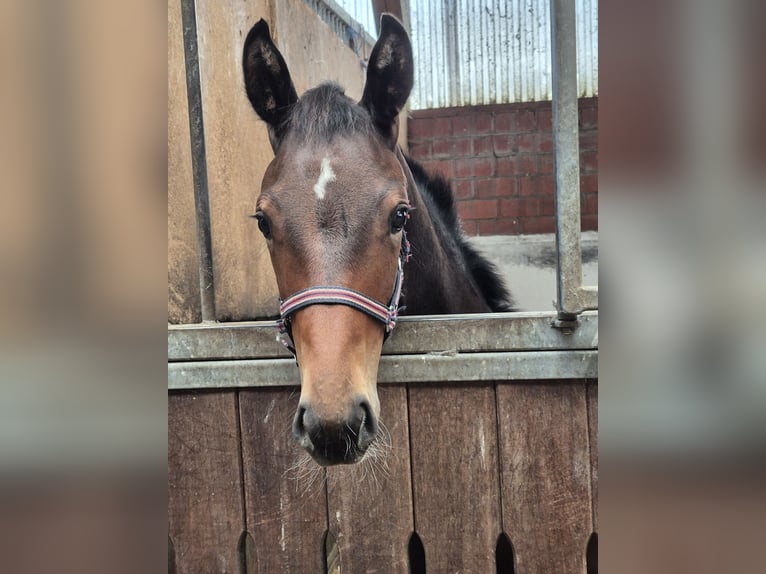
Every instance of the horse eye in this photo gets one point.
(399, 218)
(263, 224)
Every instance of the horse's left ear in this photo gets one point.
(389, 77)
(267, 80)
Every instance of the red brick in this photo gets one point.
(499, 227)
(589, 183)
(506, 186)
(504, 122)
(545, 120)
(545, 161)
(502, 145)
(547, 206)
(477, 209)
(428, 128)
(441, 167)
(495, 187)
(486, 187)
(519, 164)
(528, 186)
(455, 147)
(463, 125)
(530, 207)
(547, 186)
(591, 204)
(482, 146)
(469, 227)
(542, 224)
(483, 123)
(589, 222)
(588, 117)
(475, 166)
(484, 167)
(464, 188)
(528, 142)
(510, 207)
(546, 142)
(589, 161)
(588, 140)
(420, 151)
(525, 121)
(464, 167)
(526, 165)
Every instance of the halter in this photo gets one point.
(335, 295)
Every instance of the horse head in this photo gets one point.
(332, 207)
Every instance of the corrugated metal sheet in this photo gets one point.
(473, 52)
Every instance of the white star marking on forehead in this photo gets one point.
(326, 175)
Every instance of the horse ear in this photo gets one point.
(267, 80)
(389, 77)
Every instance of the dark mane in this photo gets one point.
(438, 193)
(324, 112)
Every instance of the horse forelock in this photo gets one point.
(325, 112)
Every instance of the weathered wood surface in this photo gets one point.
(545, 475)
(286, 511)
(454, 476)
(519, 458)
(413, 335)
(593, 445)
(205, 518)
(238, 152)
(183, 271)
(371, 504)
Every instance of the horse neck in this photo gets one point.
(437, 279)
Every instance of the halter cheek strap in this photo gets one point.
(334, 295)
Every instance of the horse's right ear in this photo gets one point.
(390, 76)
(267, 80)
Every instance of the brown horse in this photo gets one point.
(333, 206)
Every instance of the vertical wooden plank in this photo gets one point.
(454, 476)
(183, 277)
(205, 518)
(545, 475)
(238, 152)
(370, 505)
(286, 509)
(593, 440)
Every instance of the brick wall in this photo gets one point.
(499, 159)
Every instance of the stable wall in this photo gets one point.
(229, 145)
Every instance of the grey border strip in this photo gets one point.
(427, 368)
(507, 332)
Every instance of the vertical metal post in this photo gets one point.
(199, 160)
(572, 297)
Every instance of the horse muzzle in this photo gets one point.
(336, 440)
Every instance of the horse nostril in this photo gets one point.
(299, 425)
(368, 423)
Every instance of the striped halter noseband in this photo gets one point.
(335, 295)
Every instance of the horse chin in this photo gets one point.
(324, 458)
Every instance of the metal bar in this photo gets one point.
(427, 368)
(199, 160)
(572, 298)
(447, 333)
